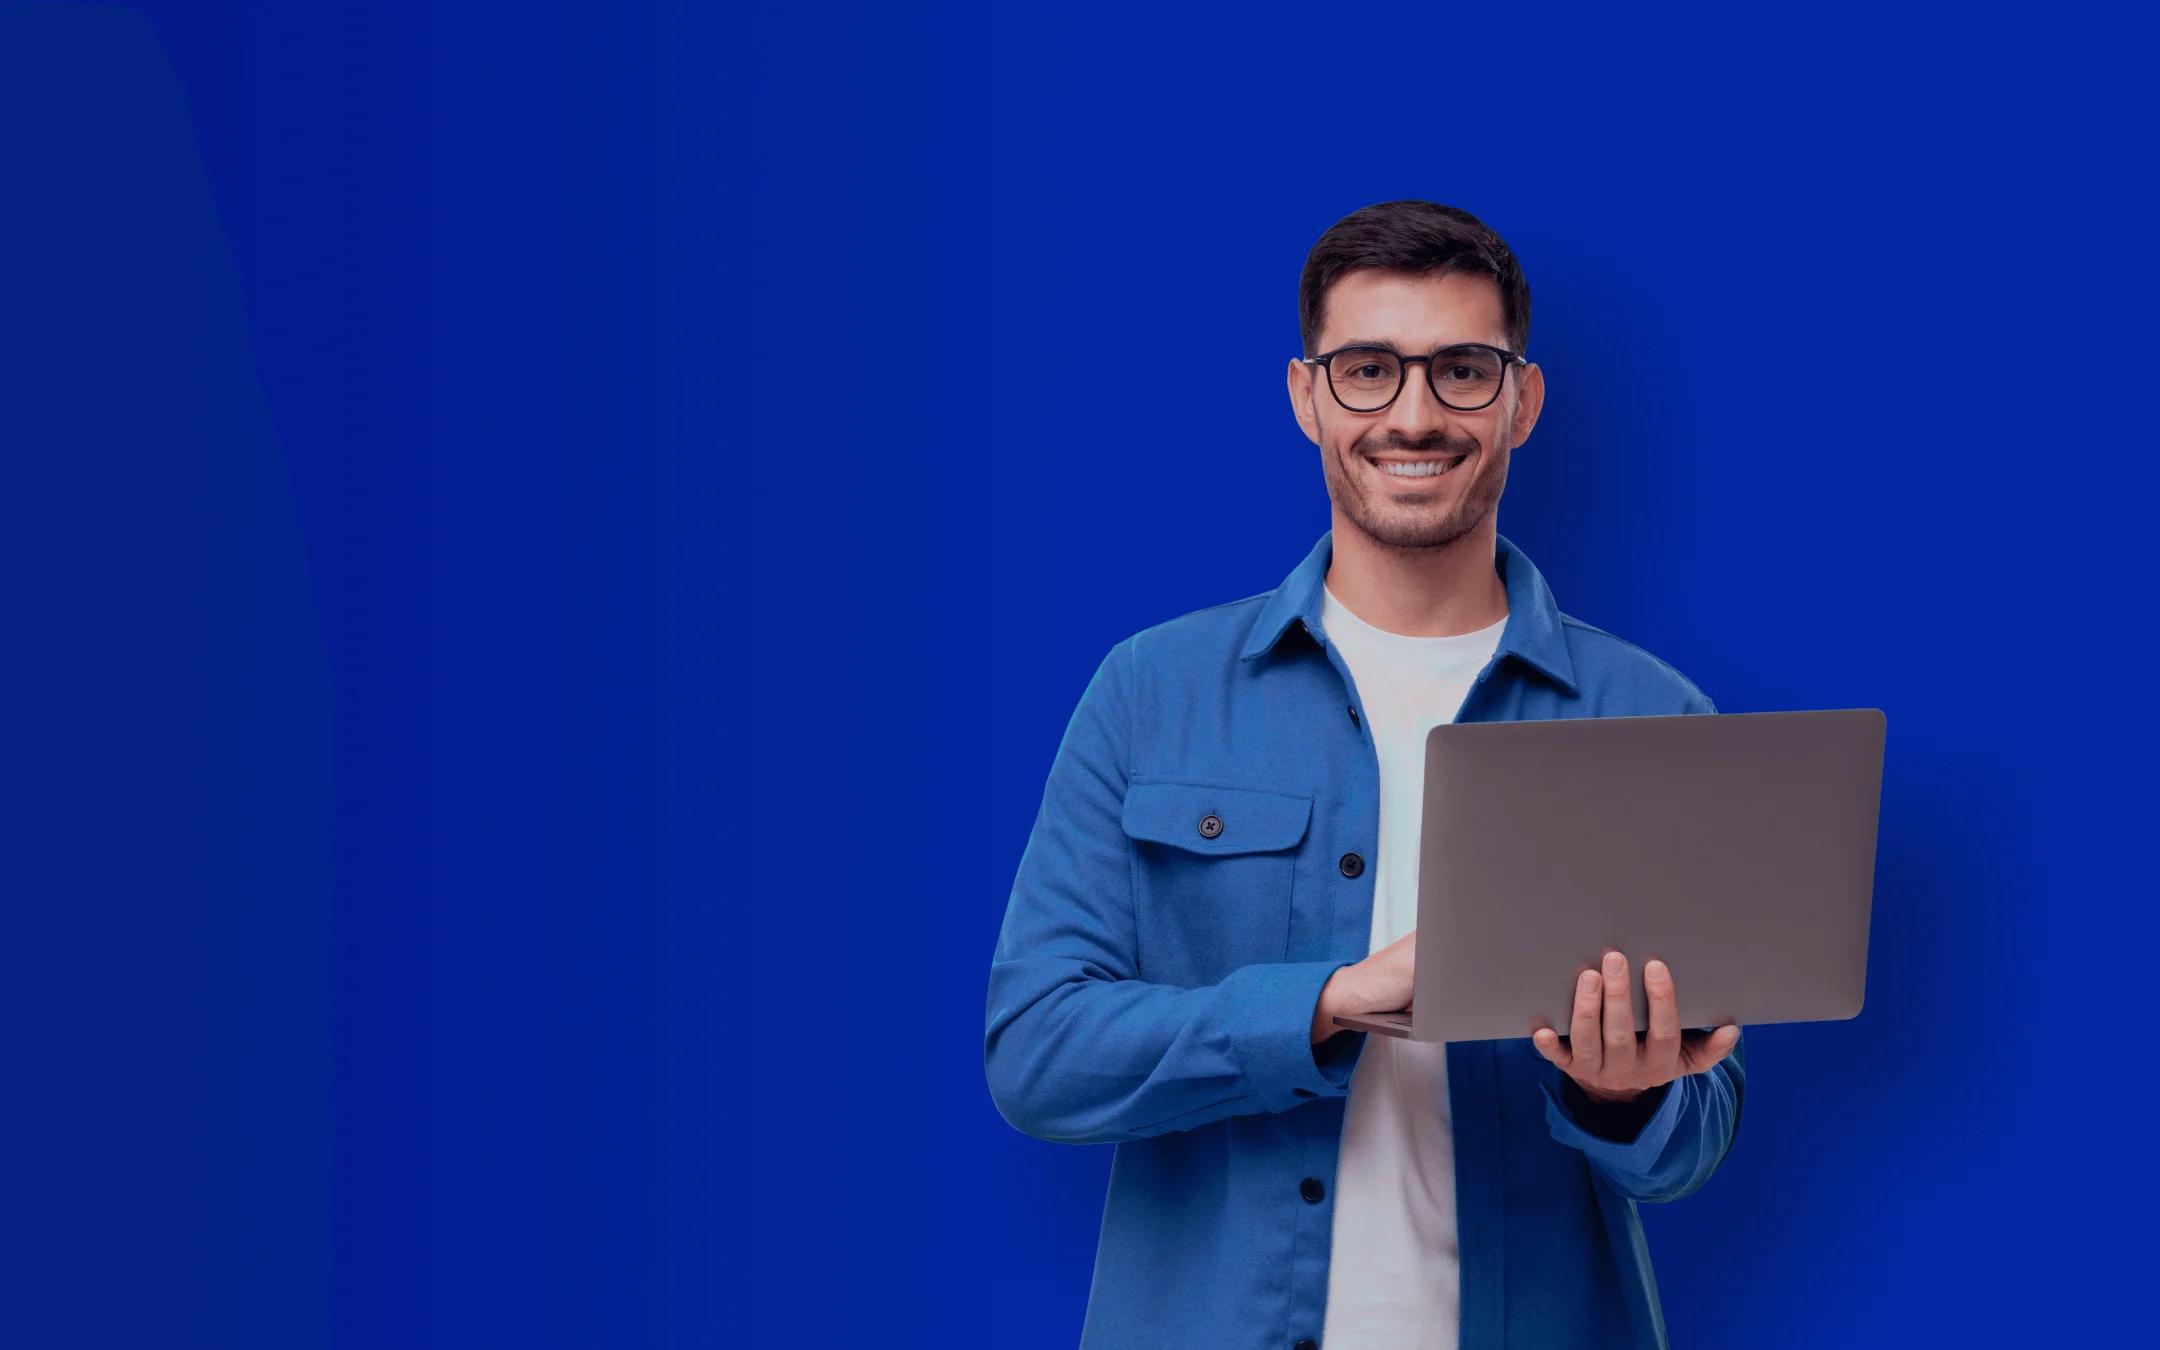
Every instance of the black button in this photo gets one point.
(1353, 713)
(1352, 865)
(1306, 1343)
(1312, 1190)
(1210, 825)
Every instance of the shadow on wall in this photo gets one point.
(169, 888)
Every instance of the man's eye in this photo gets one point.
(1368, 371)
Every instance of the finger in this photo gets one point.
(1583, 1025)
(1701, 1049)
(1661, 1050)
(1619, 1020)
(1548, 1044)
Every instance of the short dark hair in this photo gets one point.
(1418, 237)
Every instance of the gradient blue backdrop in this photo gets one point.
(550, 550)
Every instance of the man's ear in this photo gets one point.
(1529, 404)
(1301, 377)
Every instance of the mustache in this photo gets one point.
(1439, 444)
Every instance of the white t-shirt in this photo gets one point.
(1395, 1275)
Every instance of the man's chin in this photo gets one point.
(1414, 528)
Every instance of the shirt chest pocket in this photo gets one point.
(1214, 867)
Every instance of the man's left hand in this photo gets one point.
(1601, 1053)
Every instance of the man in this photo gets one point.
(1226, 858)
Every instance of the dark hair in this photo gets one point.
(1412, 236)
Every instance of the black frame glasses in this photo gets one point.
(1325, 361)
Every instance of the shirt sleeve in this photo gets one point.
(1076, 1048)
(1617, 1121)
(1668, 1152)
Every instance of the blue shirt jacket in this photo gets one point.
(1154, 983)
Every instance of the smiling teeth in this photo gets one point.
(1427, 469)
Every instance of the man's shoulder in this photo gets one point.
(1605, 660)
(1211, 634)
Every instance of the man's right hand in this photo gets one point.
(1379, 983)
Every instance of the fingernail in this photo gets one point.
(1614, 963)
(1653, 968)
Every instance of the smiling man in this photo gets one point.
(1226, 858)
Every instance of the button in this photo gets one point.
(1312, 1190)
(1210, 825)
(1353, 714)
(1352, 865)
(1306, 1343)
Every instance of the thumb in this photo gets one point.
(1702, 1050)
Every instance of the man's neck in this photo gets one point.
(1419, 592)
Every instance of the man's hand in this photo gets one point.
(1379, 983)
(1601, 1053)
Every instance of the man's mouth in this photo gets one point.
(1416, 468)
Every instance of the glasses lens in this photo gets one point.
(1365, 378)
(1467, 377)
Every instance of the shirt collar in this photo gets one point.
(1532, 634)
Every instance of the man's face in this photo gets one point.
(1415, 315)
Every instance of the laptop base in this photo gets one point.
(1386, 1024)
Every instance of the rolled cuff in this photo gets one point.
(1270, 1015)
(1627, 1151)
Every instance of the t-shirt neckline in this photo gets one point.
(1441, 642)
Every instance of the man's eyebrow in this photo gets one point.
(1380, 342)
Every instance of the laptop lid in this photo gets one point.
(1739, 848)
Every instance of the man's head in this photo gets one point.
(1414, 277)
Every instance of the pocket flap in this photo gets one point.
(1251, 820)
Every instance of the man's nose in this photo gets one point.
(1416, 408)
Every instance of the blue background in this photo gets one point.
(550, 550)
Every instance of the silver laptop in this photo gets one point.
(1738, 848)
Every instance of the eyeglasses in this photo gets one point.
(1465, 377)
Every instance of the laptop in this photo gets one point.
(1738, 848)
